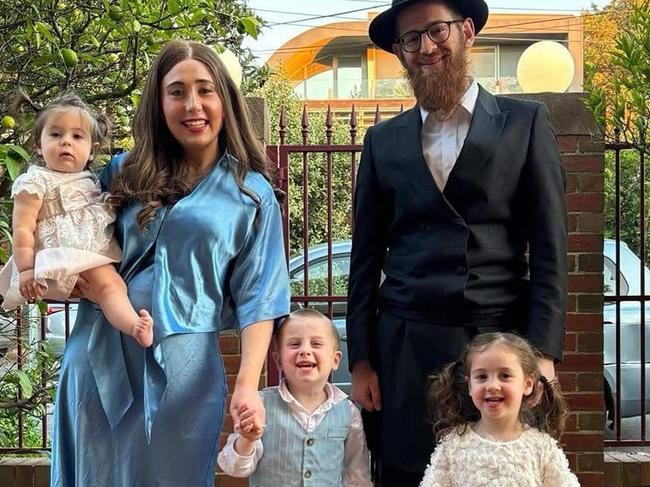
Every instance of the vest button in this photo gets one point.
(310, 442)
(307, 474)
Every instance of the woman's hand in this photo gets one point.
(255, 341)
(81, 289)
(245, 404)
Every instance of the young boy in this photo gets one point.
(313, 434)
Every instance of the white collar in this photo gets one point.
(468, 100)
(334, 394)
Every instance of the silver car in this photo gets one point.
(630, 318)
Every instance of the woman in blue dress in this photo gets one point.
(201, 236)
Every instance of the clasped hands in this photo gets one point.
(249, 415)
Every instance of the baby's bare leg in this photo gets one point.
(108, 290)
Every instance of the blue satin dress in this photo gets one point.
(126, 416)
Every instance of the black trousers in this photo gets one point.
(400, 436)
(395, 477)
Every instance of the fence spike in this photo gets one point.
(353, 125)
(377, 115)
(328, 124)
(283, 125)
(305, 124)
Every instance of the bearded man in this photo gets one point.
(450, 197)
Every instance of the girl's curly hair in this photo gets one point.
(452, 406)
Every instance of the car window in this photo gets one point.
(317, 273)
(609, 273)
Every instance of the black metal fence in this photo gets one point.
(31, 346)
(625, 270)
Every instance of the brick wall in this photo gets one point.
(582, 372)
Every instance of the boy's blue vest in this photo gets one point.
(295, 458)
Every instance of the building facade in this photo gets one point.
(337, 65)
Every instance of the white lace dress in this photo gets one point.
(469, 460)
(73, 232)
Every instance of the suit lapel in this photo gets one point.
(410, 158)
(481, 141)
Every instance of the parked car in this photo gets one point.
(630, 318)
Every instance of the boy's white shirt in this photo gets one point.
(356, 468)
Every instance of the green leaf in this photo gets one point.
(251, 25)
(25, 383)
(13, 166)
(19, 150)
(44, 30)
(173, 6)
(42, 307)
(137, 27)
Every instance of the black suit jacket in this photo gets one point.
(458, 257)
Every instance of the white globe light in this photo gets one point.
(545, 66)
(230, 60)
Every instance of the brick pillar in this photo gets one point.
(229, 340)
(581, 374)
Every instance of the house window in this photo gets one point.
(484, 64)
(344, 77)
(318, 87)
(349, 77)
(495, 67)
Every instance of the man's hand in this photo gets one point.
(546, 366)
(365, 386)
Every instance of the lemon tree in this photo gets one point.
(103, 49)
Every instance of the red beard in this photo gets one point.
(440, 91)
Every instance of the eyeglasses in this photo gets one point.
(438, 32)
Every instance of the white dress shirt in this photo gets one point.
(442, 139)
(356, 465)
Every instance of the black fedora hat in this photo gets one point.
(382, 28)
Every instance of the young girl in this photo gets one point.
(62, 225)
(493, 431)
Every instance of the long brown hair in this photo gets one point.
(452, 406)
(153, 172)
